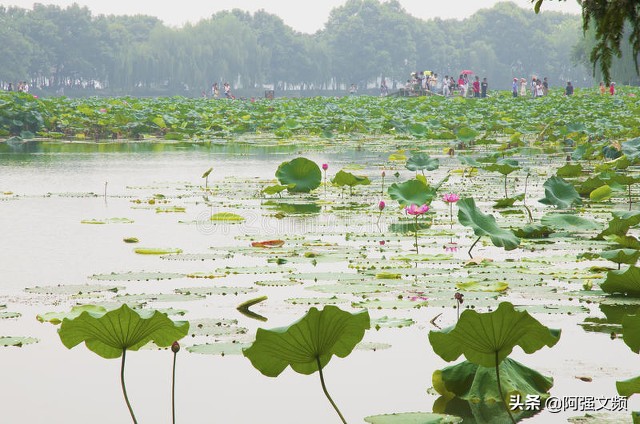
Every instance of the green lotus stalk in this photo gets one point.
(382, 190)
(326, 393)
(175, 348)
(416, 210)
(416, 235)
(506, 405)
(124, 387)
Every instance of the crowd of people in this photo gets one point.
(427, 81)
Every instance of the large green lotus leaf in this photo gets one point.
(466, 134)
(485, 225)
(317, 336)
(533, 231)
(121, 329)
(487, 338)
(620, 223)
(601, 193)
(621, 256)
(474, 383)
(567, 222)
(631, 331)
(343, 178)
(559, 193)
(628, 387)
(623, 281)
(589, 185)
(413, 418)
(422, 161)
(631, 148)
(302, 172)
(503, 166)
(569, 170)
(479, 413)
(412, 192)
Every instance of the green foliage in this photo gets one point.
(631, 330)
(301, 175)
(485, 225)
(413, 418)
(316, 337)
(109, 334)
(559, 193)
(488, 338)
(344, 178)
(421, 162)
(623, 281)
(621, 256)
(412, 192)
(475, 383)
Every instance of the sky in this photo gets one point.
(303, 16)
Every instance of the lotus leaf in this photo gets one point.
(487, 339)
(308, 343)
(559, 193)
(276, 189)
(412, 192)
(620, 223)
(569, 170)
(343, 178)
(304, 174)
(631, 148)
(533, 231)
(109, 334)
(56, 318)
(466, 134)
(226, 217)
(623, 281)
(475, 383)
(222, 349)
(485, 225)
(156, 250)
(413, 418)
(631, 330)
(473, 286)
(567, 221)
(601, 193)
(17, 341)
(421, 162)
(503, 166)
(622, 256)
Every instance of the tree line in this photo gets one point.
(361, 42)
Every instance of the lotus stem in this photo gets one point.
(206, 182)
(124, 388)
(630, 197)
(325, 182)
(451, 215)
(416, 234)
(379, 216)
(382, 191)
(505, 187)
(326, 393)
(472, 246)
(105, 189)
(173, 388)
(500, 390)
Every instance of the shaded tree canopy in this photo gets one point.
(612, 20)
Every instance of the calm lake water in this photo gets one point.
(50, 188)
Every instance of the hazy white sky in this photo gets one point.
(301, 15)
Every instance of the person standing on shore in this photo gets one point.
(484, 87)
(476, 87)
(514, 87)
(612, 88)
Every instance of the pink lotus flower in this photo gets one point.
(450, 198)
(416, 210)
(381, 205)
(419, 296)
(103, 110)
(382, 242)
(325, 166)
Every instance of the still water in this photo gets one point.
(48, 189)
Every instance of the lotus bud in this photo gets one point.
(325, 166)
(175, 347)
(381, 205)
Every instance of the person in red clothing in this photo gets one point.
(612, 88)
(476, 87)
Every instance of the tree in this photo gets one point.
(611, 20)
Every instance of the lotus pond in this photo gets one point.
(195, 230)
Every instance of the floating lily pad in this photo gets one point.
(391, 322)
(72, 289)
(215, 327)
(205, 275)
(316, 301)
(130, 240)
(193, 257)
(494, 286)
(137, 276)
(349, 288)
(226, 217)
(107, 221)
(222, 349)
(161, 297)
(568, 222)
(389, 304)
(277, 283)
(156, 250)
(372, 346)
(9, 315)
(217, 290)
(17, 341)
(56, 318)
(254, 270)
(602, 418)
(171, 209)
(413, 418)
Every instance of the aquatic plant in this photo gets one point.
(309, 344)
(487, 339)
(112, 334)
